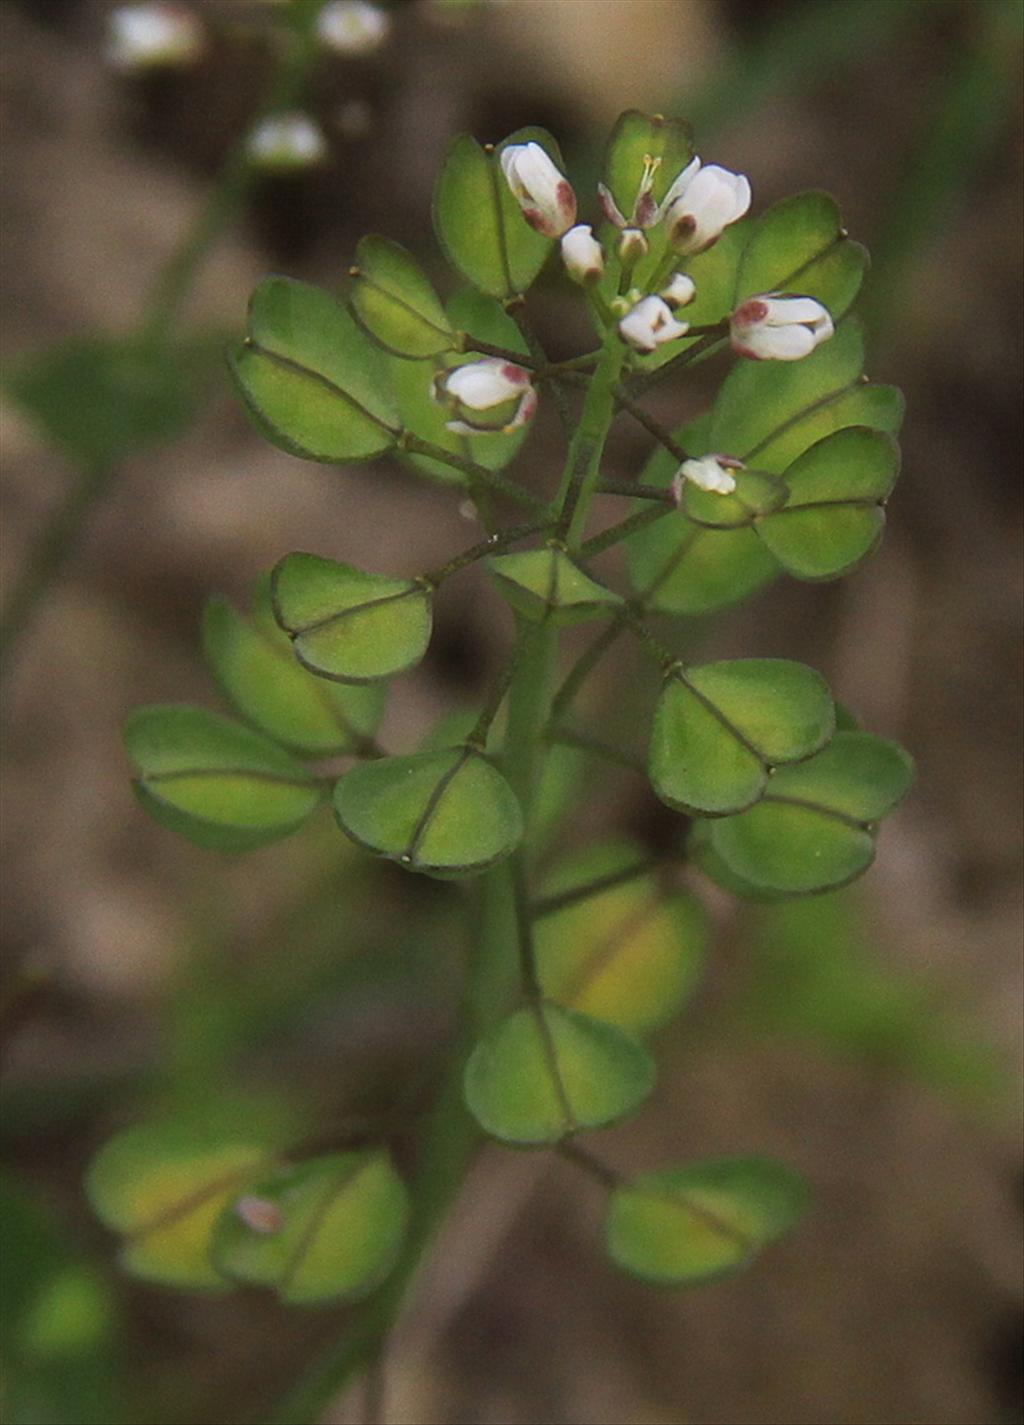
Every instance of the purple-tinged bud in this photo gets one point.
(540, 188)
(489, 396)
(649, 324)
(582, 254)
(779, 327)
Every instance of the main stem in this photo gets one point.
(451, 1137)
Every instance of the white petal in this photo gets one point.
(679, 185)
(782, 310)
(483, 384)
(788, 343)
(708, 474)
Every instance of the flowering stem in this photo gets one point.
(493, 544)
(616, 533)
(583, 466)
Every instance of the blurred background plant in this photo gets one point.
(866, 1037)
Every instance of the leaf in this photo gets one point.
(833, 517)
(394, 302)
(313, 382)
(800, 245)
(719, 730)
(448, 813)
(546, 1072)
(545, 586)
(689, 1225)
(479, 224)
(701, 853)
(215, 782)
(629, 955)
(101, 398)
(347, 625)
(163, 1185)
(325, 1230)
(815, 827)
(260, 677)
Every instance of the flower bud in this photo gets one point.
(540, 188)
(285, 142)
(710, 472)
(632, 246)
(680, 290)
(701, 204)
(649, 324)
(155, 36)
(353, 26)
(779, 327)
(486, 396)
(582, 254)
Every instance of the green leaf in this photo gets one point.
(630, 954)
(545, 586)
(101, 398)
(325, 1230)
(163, 1186)
(635, 138)
(701, 853)
(719, 730)
(694, 1224)
(393, 300)
(756, 494)
(479, 224)
(259, 676)
(833, 517)
(800, 245)
(546, 1072)
(313, 382)
(815, 827)
(448, 813)
(219, 784)
(347, 625)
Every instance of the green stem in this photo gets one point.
(616, 533)
(479, 474)
(583, 467)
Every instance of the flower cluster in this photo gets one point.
(698, 205)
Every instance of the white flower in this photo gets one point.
(710, 472)
(650, 323)
(582, 254)
(701, 204)
(353, 26)
(540, 188)
(779, 327)
(492, 386)
(153, 36)
(680, 290)
(284, 141)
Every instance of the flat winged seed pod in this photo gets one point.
(684, 1226)
(546, 1072)
(449, 812)
(815, 827)
(216, 782)
(720, 729)
(545, 586)
(349, 625)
